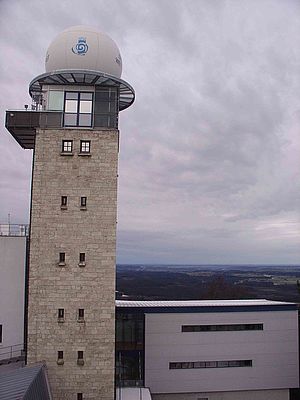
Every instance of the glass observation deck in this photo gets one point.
(70, 99)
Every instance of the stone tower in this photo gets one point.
(73, 129)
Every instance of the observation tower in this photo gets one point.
(72, 125)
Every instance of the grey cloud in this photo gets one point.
(209, 151)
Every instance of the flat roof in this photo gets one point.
(206, 305)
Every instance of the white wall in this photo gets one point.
(274, 352)
(12, 278)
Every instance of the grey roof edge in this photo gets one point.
(16, 384)
(43, 369)
(203, 306)
(201, 303)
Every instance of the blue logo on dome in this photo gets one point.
(81, 47)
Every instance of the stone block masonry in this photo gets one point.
(73, 230)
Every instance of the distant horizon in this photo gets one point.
(210, 265)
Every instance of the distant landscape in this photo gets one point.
(190, 282)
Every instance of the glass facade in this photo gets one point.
(78, 109)
(56, 100)
(98, 108)
(129, 349)
(106, 107)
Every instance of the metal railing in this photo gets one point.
(14, 229)
(29, 119)
(15, 351)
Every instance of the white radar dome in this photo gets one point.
(84, 48)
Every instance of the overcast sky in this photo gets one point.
(210, 151)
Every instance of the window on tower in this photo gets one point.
(62, 259)
(60, 357)
(80, 360)
(83, 202)
(81, 259)
(61, 315)
(85, 146)
(64, 202)
(78, 108)
(79, 396)
(80, 314)
(67, 146)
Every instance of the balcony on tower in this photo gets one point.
(70, 99)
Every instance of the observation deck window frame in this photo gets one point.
(77, 106)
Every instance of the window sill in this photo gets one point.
(83, 208)
(63, 207)
(60, 320)
(80, 320)
(85, 154)
(80, 362)
(60, 361)
(66, 153)
(61, 264)
(81, 264)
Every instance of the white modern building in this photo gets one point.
(208, 350)
(12, 289)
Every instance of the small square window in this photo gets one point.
(71, 106)
(61, 313)
(81, 313)
(70, 120)
(79, 396)
(67, 146)
(80, 360)
(85, 146)
(83, 201)
(64, 201)
(60, 358)
(62, 258)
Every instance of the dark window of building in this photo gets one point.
(222, 328)
(78, 109)
(80, 355)
(62, 257)
(85, 146)
(129, 349)
(83, 201)
(81, 313)
(60, 355)
(0, 333)
(79, 396)
(106, 107)
(81, 257)
(67, 146)
(210, 364)
(64, 201)
(61, 313)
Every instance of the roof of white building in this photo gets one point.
(163, 304)
(197, 303)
